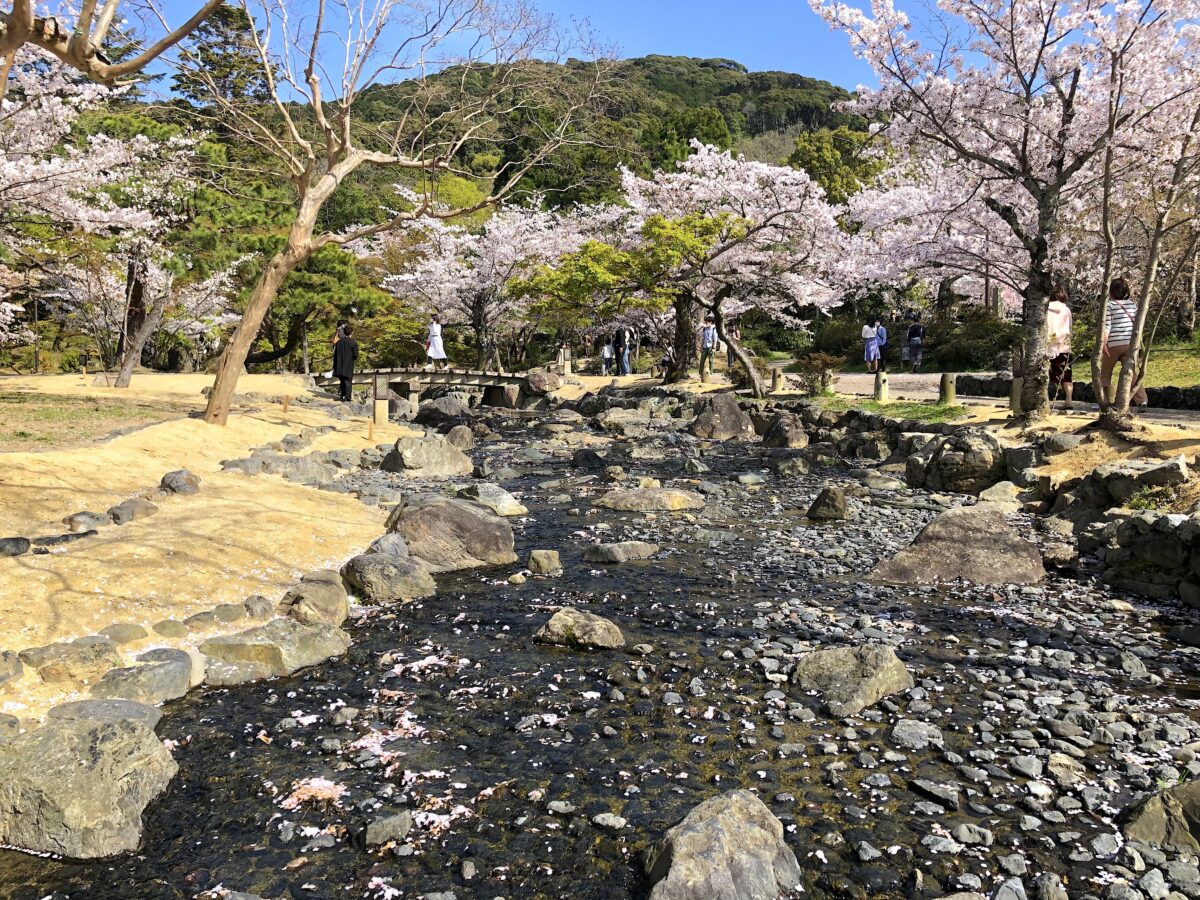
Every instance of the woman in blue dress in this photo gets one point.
(870, 347)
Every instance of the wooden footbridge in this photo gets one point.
(499, 388)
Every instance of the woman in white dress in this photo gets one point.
(433, 345)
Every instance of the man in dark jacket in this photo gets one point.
(345, 355)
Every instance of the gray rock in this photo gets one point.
(790, 467)
(14, 546)
(544, 562)
(974, 543)
(729, 846)
(110, 711)
(80, 662)
(427, 457)
(170, 628)
(720, 418)
(77, 787)
(461, 437)
(80, 522)
(786, 431)
(382, 829)
(125, 632)
(650, 500)
(830, 505)
(495, 498)
(11, 667)
(280, 647)
(850, 679)
(163, 675)
(910, 734)
(131, 511)
(966, 462)
(1172, 472)
(387, 578)
(441, 411)
(570, 627)
(317, 599)
(181, 481)
(623, 551)
(1169, 819)
(448, 535)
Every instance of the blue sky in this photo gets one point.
(782, 35)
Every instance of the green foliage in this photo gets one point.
(815, 371)
(222, 47)
(836, 159)
(741, 378)
(971, 342)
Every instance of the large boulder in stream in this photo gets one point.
(849, 679)
(388, 578)
(570, 627)
(730, 846)
(77, 787)
(975, 543)
(448, 534)
(1169, 819)
(280, 647)
(427, 457)
(720, 418)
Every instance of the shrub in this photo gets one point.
(741, 379)
(815, 371)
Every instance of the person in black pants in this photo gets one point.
(345, 355)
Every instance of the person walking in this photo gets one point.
(1119, 319)
(345, 355)
(606, 358)
(434, 351)
(881, 335)
(870, 347)
(732, 333)
(708, 344)
(1058, 341)
(668, 360)
(622, 340)
(916, 343)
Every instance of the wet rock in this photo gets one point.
(14, 546)
(280, 647)
(971, 542)
(910, 734)
(849, 679)
(164, 674)
(427, 457)
(448, 535)
(76, 661)
(729, 846)
(620, 552)
(181, 481)
(318, 599)
(131, 511)
(588, 459)
(78, 787)
(388, 578)
(720, 418)
(572, 627)
(495, 498)
(382, 829)
(544, 562)
(1169, 819)
(650, 500)
(830, 505)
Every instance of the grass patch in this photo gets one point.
(51, 421)
(900, 409)
(1176, 364)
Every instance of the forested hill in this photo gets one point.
(657, 104)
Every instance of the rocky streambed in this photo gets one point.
(450, 753)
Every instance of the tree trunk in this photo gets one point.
(233, 359)
(1187, 308)
(1035, 397)
(684, 341)
(758, 387)
(135, 342)
(305, 360)
(135, 305)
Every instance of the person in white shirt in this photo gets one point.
(433, 344)
(870, 347)
(1058, 332)
(1120, 316)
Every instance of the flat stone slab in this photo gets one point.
(280, 647)
(974, 543)
(163, 675)
(623, 551)
(109, 711)
(650, 500)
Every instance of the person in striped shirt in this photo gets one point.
(1120, 315)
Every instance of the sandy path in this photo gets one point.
(240, 535)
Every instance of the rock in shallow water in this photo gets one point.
(388, 578)
(77, 787)
(278, 648)
(571, 627)
(849, 679)
(729, 846)
(620, 552)
(452, 534)
(650, 500)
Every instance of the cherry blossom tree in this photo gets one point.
(486, 55)
(725, 235)
(81, 45)
(1020, 99)
(466, 274)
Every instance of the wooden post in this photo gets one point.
(371, 430)
(881, 387)
(947, 394)
(1014, 398)
(286, 400)
(776, 379)
(84, 369)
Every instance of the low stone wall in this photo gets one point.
(1001, 386)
